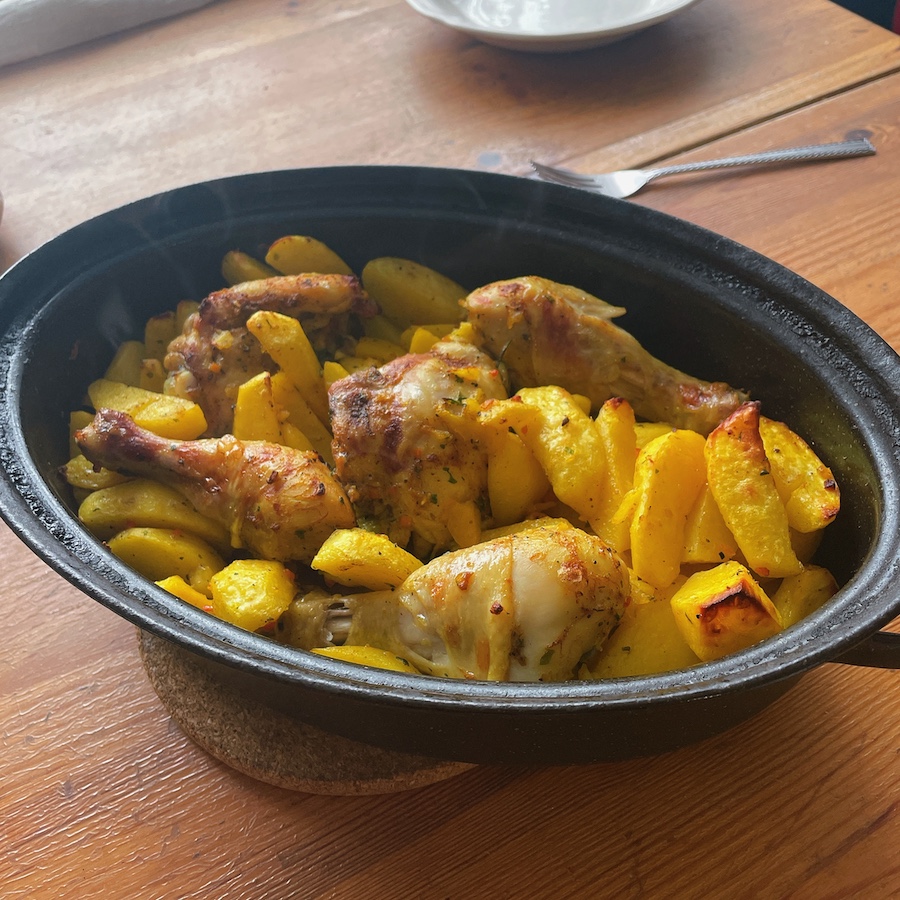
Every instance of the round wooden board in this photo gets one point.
(272, 747)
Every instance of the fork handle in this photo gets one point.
(839, 150)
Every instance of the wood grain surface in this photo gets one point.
(249, 85)
(101, 794)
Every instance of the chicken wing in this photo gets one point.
(549, 333)
(216, 353)
(403, 468)
(277, 502)
(525, 607)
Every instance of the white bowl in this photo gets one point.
(549, 26)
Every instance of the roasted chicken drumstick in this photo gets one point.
(216, 353)
(525, 607)
(549, 333)
(278, 503)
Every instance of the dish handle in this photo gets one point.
(879, 651)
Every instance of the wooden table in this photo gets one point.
(103, 795)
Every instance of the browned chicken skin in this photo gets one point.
(402, 467)
(549, 333)
(216, 354)
(277, 502)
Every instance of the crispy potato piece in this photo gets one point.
(379, 349)
(284, 339)
(176, 585)
(409, 293)
(238, 267)
(184, 309)
(463, 522)
(799, 595)
(805, 544)
(152, 376)
(740, 478)
(615, 424)
(706, 536)
(292, 436)
(126, 363)
(668, 477)
(566, 443)
(158, 553)
(384, 329)
(81, 473)
(355, 557)
(422, 340)
(539, 522)
(722, 610)
(298, 254)
(158, 334)
(333, 371)
(515, 479)
(646, 641)
(170, 417)
(256, 413)
(805, 484)
(251, 593)
(299, 414)
(645, 432)
(368, 656)
(146, 503)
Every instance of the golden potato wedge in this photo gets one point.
(805, 484)
(566, 443)
(615, 424)
(515, 479)
(149, 504)
(706, 536)
(645, 432)
(422, 340)
(256, 415)
(538, 522)
(805, 544)
(158, 333)
(293, 437)
(251, 593)
(463, 522)
(152, 376)
(183, 311)
(722, 610)
(158, 553)
(299, 254)
(740, 478)
(126, 363)
(170, 417)
(409, 293)
(379, 349)
(284, 339)
(668, 477)
(645, 642)
(355, 557)
(384, 329)
(81, 473)
(299, 414)
(799, 595)
(364, 655)
(333, 371)
(238, 267)
(176, 585)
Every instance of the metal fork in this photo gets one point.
(629, 181)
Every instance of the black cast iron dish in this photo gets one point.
(699, 301)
